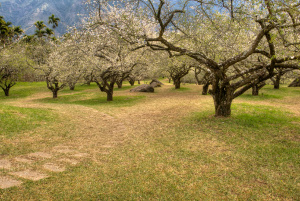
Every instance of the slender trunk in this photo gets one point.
(139, 82)
(255, 90)
(277, 81)
(169, 80)
(205, 89)
(110, 91)
(198, 82)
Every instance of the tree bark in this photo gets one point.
(120, 84)
(177, 83)
(109, 95)
(6, 91)
(131, 82)
(277, 81)
(205, 89)
(222, 94)
(110, 91)
(257, 87)
(72, 87)
(55, 92)
(255, 90)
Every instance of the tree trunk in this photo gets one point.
(120, 84)
(205, 89)
(72, 87)
(110, 91)
(131, 82)
(223, 96)
(54, 91)
(176, 83)
(109, 95)
(6, 91)
(277, 81)
(255, 90)
(139, 82)
(198, 82)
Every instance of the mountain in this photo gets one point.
(25, 13)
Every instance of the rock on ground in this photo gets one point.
(156, 83)
(295, 83)
(143, 88)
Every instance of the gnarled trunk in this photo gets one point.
(131, 82)
(257, 87)
(223, 96)
(6, 91)
(177, 82)
(55, 92)
(71, 87)
(120, 84)
(277, 81)
(255, 90)
(205, 89)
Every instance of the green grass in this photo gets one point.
(16, 120)
(181, 89)
(24, 89)
(253, 155)
(268, 93)
(94, 100)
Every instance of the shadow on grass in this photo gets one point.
(181, 89)
(82, 99)
(260, 97)
(253, 117)
(23, 90)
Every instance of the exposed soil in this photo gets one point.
(98, 130)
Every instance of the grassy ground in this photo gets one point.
(160, 146)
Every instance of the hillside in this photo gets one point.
(25, 12)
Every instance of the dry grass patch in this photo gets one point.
(164, 146)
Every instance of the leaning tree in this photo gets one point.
(223, 39)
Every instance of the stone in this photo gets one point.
(143, 88)
(7, 182)
(155, 83)
(295, 83)
(30, 174)
(5, 164)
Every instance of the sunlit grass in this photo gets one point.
(15, 120)
(253, 155)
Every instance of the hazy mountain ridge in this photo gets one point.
(25, 13)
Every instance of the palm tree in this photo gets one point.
(39, 32)
(40, 25)
(54, 21)
(49, 32)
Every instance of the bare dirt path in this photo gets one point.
(94, 131)
(85, 133)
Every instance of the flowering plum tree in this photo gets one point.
(240, 42)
